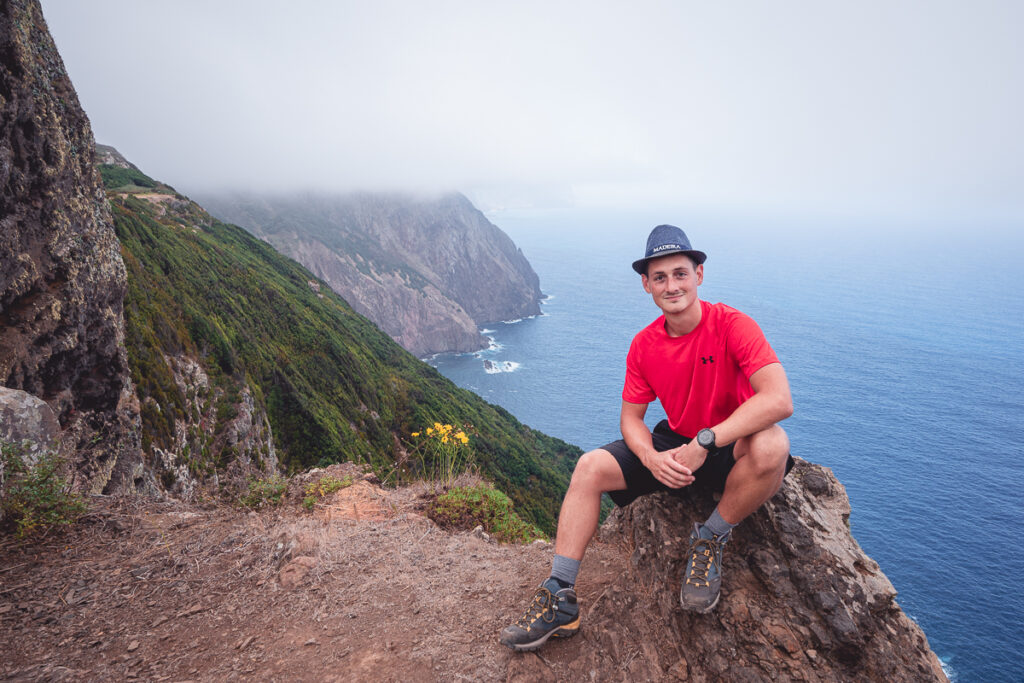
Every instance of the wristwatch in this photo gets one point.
(706, 440)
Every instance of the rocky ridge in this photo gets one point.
(366, 588)
(428, 272)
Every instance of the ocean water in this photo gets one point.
(904, 347)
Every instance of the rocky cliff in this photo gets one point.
(62, 280)
(427, 271)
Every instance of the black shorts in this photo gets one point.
(639, 480)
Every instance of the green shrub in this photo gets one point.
(324, 486)
(116, 177)
(466, 507)
(36, 498)
(265, 492)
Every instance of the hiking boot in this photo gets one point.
(554, 613)
(702, 580)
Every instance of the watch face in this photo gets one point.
(705, 438)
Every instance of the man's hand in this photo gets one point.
(690, 455)
(668, 470)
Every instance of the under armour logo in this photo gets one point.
(709, 359)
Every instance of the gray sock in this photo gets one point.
(564, 570)
(718, 526)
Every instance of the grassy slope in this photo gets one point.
(335, 387)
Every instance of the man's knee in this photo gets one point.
(767, 450)
(597, 470)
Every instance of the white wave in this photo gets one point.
(513, 322)
(947, 668)
(486, 332)
(493, 367)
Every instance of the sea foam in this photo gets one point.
(492, 367)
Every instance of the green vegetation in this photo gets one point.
(265, 492)
(35, 498)
(118, 179)
(335, 388)
(324, 486)
(466, 507)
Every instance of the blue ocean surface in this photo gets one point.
(904, 346)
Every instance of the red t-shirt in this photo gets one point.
(701, 377)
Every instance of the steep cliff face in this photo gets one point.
(62, 280)
(427, 272)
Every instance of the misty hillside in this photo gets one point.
(228, 338)
(427, 270)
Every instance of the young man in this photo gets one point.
(723, 390)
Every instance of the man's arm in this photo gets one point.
(770, 404)
(638, 437)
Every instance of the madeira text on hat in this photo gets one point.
(665, 240)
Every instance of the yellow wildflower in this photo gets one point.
(415, 433)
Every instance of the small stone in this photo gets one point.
(194, 609)
(681, 670)
(295, 571)
(311, 641)
(133, 646)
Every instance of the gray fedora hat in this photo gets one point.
(665, 240)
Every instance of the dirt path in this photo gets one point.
(363, 589)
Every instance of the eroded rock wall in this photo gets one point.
(219, 441)
(62, 280)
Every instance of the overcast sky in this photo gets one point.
(868, 107)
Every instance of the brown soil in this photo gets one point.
(363, 588)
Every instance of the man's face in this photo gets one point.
(672, 281)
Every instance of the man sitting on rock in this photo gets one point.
(723, 390)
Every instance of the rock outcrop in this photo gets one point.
(28, 424)
(62, 280)
(27, 421)
(427, 272)
(216, 425)
(800, 599)
(105, 154)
